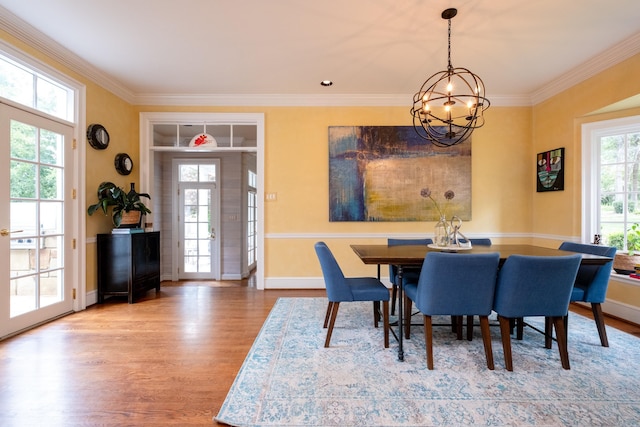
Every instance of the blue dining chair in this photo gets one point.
(409, 274)
(482, 241)
(592, 282)
(535, 286)
(342, 289)
(456, 285)
(478, 241)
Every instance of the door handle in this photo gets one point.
(5, 232)
(213, 234)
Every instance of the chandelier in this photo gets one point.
(459, 92)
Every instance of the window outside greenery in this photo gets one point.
(619, 187)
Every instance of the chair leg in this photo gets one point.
(486, 340)
(598, 316)
(408, 306)
(428, 340)
(561, 336)
(548, 332)
(520, 328)
(385, 322)
(470, 328)
(394, 296)
(458, 327)
(326, 317)
(332, 321)
(376, 313)
(505, 333)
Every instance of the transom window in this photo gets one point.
(23, 85)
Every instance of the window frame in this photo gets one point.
(591, 193)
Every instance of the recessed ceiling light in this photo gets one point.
(326, 83)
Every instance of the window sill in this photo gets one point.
(625, 279)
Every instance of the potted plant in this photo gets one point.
(626, 261)
(125, 204)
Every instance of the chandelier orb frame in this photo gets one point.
(450, 104)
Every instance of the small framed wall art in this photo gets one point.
(550, 170)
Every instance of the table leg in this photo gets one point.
(400, 315)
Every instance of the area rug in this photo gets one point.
(290, 379)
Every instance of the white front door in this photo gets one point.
(36, 158)
(198, 219)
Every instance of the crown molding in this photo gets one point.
(618, 53)
(302, 100)
(34, 38)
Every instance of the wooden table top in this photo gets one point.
(414, 254)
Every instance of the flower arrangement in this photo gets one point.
(448, 195)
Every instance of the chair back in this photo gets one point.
(393, 270)
(592, 280)
(457, 284)
(535, 285)
(480, 242)
(335, 282)
(400, 242)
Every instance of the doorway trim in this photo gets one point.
(147, 152)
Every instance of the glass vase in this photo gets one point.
(441, 233)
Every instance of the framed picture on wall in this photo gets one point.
(550, 170)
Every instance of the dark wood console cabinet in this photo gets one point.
(128, 264)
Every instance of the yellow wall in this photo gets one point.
(296, 168)
(557, 123)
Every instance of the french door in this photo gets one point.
(35, 157)
(198, 219)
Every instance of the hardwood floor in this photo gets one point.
(168, 359)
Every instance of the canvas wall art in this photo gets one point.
(376, 173)
(550, 167)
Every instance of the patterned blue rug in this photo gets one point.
(290, 379)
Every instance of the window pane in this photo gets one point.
(16, 83)
(23, 183)
(23, 141)
(207, 173)
(51, 220)
(188, 173)
(190, 213)
(52, 98)
(51, 146)
(191, 197)
(50, 183)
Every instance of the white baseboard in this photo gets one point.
(92, 298)
(620, 310)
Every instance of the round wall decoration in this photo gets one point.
(123, 163)
(98, 136)
(203, 139)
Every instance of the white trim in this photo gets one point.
(304, 100)
(618, 309)
(591, 134)
(148, 119)
(610, 57)
(77, 266)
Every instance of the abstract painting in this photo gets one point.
(376, 173)
(550, 167)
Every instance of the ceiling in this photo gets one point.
(278, 51)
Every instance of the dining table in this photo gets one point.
(413, 255)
